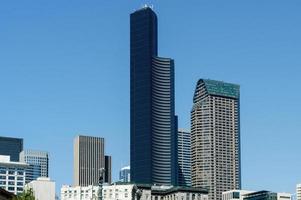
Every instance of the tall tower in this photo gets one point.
(153, 133)
(89, 159)
(215, 137)
(184, 158)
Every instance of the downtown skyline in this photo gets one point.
(261, 124)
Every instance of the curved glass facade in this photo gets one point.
(152, 104)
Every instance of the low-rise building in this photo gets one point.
(235, 194)
(130, 191)
(251, 195)
(43, 188)
(79, 192)
(12, 175)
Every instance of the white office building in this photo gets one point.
(43, 188)
(235, 194)
(125, 191)
(79, 192)
(12, 175)
(298, 192)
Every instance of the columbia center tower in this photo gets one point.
(153, 121)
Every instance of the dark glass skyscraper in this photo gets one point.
(153, 133)
(11, 147)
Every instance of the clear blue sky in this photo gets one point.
(64, 71)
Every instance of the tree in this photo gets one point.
(25, 195)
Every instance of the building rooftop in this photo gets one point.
(218, 88)
(126, 167)
(221, 88)
(5, 160)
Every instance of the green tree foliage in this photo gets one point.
(26, 195)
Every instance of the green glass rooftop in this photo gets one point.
(220, 88)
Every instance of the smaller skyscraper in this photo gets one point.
(215, 137)
(298, 191)
(108, 169)
(11, 147)
(125, 174)
(184, 158)
(38, 164)
(89, 160)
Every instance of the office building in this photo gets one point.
(43, 188)
(215, 137)
(125, 174)
(298, 192)
(133, 191)
(11, 147)
(108, 169)
(184, 158)
(12, 175)
(89, 159)
(152, 121)
(235, 194)
(38, 162)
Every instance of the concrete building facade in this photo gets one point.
(215, 137)
(43, 188)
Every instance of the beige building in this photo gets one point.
(215, 137)
(43, 188)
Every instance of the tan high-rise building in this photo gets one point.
(215, 137)
(89, 159)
